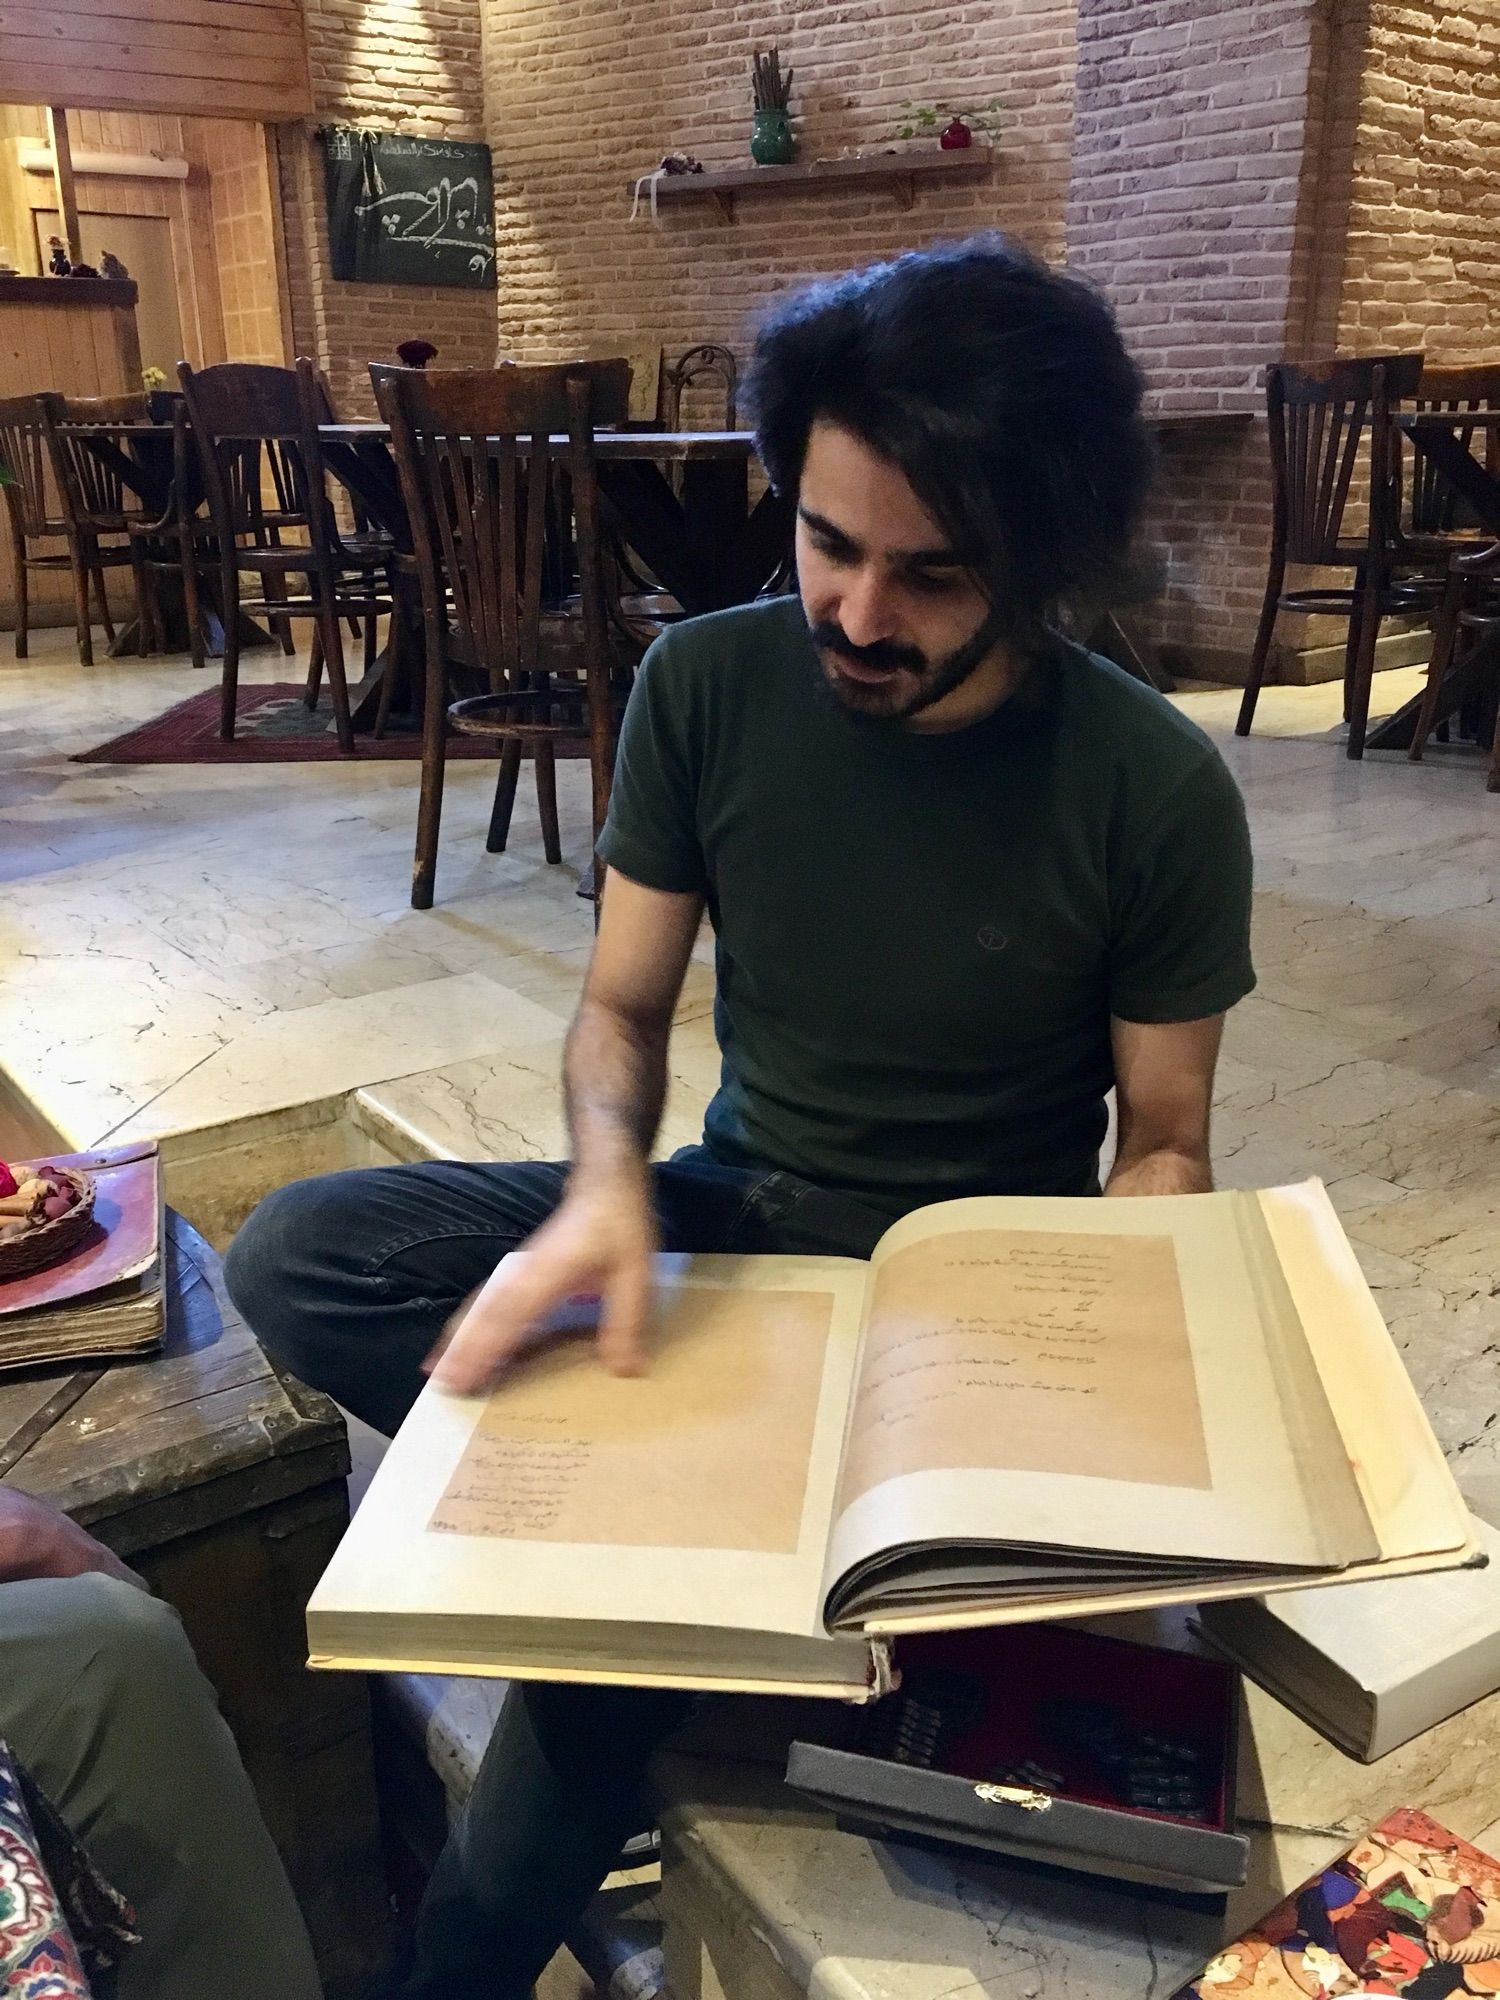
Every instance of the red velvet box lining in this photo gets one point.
(1023, 1667)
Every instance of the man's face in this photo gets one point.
(900, 625)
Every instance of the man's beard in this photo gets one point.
(914, 682)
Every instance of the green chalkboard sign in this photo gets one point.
(409, 211)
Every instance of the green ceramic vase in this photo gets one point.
(772, 143)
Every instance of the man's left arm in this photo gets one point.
(1164, 1080)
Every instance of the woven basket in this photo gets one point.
(35, 1248)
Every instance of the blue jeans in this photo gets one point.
(347, 1281)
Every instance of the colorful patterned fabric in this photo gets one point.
(1411, 1909)
(60, 1921)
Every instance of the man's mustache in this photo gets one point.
(883, 656)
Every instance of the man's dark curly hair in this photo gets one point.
(1003, 392)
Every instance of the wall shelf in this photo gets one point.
(901, 172)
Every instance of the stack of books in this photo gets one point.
(105, 1296)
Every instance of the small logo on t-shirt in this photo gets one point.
(992, 937)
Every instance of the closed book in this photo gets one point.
(1370, 1665)
(104, 1297)
(1017, 1409)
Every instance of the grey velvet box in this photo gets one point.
(1016, 1678)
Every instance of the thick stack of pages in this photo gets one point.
(1374, 1665)
(104, 1297)
(1019, 1409)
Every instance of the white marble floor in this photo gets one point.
(181, 946)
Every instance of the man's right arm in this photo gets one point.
(603, 1235)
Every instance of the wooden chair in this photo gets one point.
(98, 507)
(23, 453)
(1330, 427)
(705, 363)
(474, 453)
(1436, 527)
(261, 461)
(1470, 611)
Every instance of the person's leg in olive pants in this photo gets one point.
(348, 1281)
(103, 1703)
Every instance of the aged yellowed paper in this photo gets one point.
(709, 1450)
(1019, 1350)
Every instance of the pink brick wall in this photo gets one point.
(402, 66)
(579, 105)
(1422, 265)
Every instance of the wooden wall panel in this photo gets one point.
(82, 342)
(246, 57)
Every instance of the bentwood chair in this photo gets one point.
(1468, 619)
(29, 513)
(261, 462)
(99, 506)
(1331, 440)
(1436, 524)
(707, 362)
(493, 463)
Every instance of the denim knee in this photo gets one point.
(279, 1253)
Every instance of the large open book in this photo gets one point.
(1019, 1409)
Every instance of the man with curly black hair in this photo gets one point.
(964, 877)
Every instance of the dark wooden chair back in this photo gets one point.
(23, 453)
(95, 492)
(479, 503)
(1331, 438)
(261, 459)
(1436, 507)
(707, 362)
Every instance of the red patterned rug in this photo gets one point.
(273, 726)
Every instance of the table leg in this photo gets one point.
(1461, 685)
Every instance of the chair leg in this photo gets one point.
(1261, 651)
(192, 609)
(371, 633)
(229, 591)
(314, 668)
(145, 624)
(430, 803)
(392, 669)
(505, 796)
(1444, 636)
(1364, 662)
(338, 686)
(81, 604)
(104, 618)
(23, 595)
(1492, 782)
(545, 757)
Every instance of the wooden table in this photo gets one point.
(1444, 439)
(223, 1483)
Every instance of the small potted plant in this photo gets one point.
(955, 129)
(772, 142)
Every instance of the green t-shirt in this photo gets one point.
(922, 938)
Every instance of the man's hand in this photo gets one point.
(36, 1540)
(601, 1240)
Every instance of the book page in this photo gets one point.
(1047, 1353)
(568, 1504)
(568, 1453)
(1123, 1376)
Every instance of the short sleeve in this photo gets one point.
(651, 833)
(1181, 944)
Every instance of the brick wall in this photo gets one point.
(409, 66)
(1422, 263)
(244, 238)
(1189, 206)
(578, 105)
